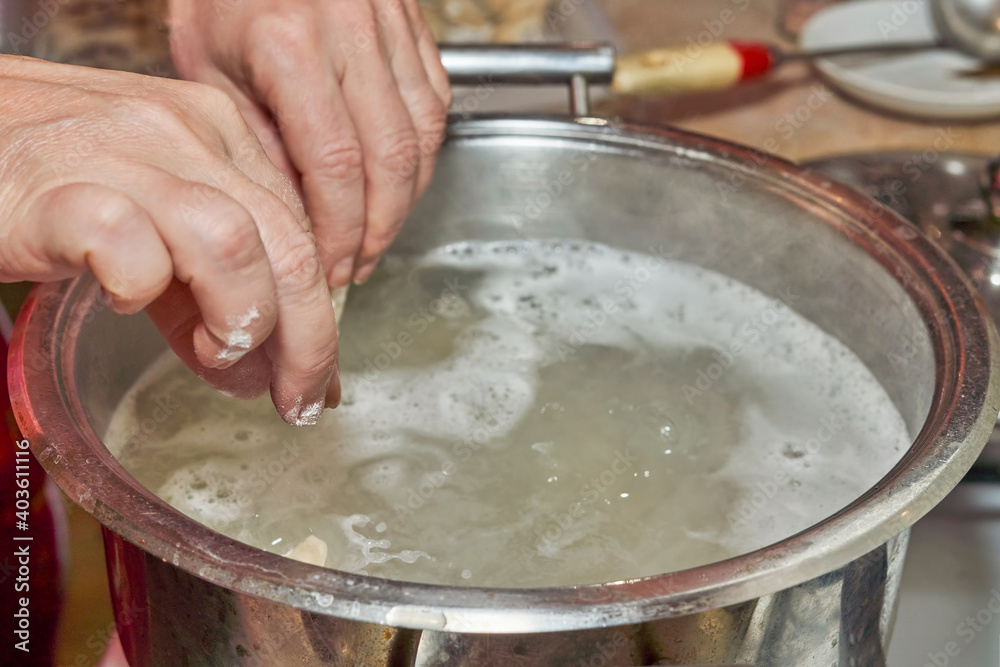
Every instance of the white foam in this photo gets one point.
(568, 413)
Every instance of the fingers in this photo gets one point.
(388, 136)
(256, 151)
(303, 345)
(217, 251)
(423, 101)
(112, 236)
(303, 93)
(254, 272)
(134, 257)
(362, 125)
(360, 96)
(249, 148)
(430, 56)
(171, 201)
(176, 314)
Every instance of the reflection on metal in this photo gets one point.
(844, 615)
(955, 199)
(577, 65)
(579, 96)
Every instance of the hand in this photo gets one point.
(162, 190)
(357, 92)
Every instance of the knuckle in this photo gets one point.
(340, 160)
(161, 115)
(319, 361)
(297, 266)
(112, 216)
(229, 234)
(431, 123)
(399, 153)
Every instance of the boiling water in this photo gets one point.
(532, 414)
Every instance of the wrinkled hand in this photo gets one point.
(356, 92)
(161, 189)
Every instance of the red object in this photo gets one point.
(37, 575)
(757, 58)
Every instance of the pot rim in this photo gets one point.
(961, 417)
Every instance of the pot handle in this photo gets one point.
(581, 64)
(576, 64)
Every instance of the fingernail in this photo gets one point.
(365, 272)
(117, 303)
(221, 354)
(228, 356)
(340, 274)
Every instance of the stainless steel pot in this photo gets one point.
(185, 595)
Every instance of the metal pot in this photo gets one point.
(185, 595)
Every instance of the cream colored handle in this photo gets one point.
(676, 70)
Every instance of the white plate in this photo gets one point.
(927, 83)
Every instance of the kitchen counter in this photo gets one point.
(793, 111)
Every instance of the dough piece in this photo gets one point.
(311, 550)
(339, 298)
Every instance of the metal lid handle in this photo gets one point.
(576, 65)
